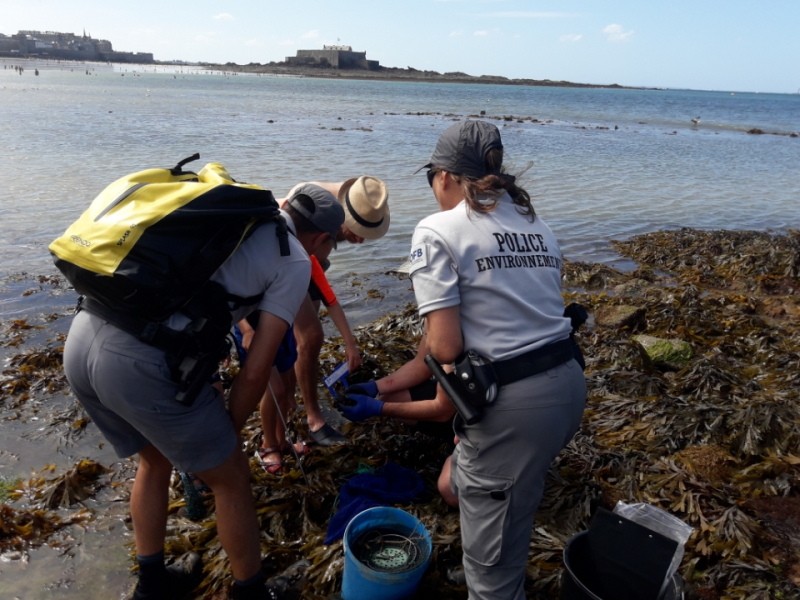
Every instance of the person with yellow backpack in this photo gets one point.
(167, 260)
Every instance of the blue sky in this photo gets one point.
(734, 45)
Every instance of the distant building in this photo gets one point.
(66, 46)
(338, 57)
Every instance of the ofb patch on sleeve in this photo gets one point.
(418, 257)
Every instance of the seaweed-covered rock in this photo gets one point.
(631, 288)
(618, 316)
(674, 354)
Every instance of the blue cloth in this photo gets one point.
(285, 357)
(391, 485)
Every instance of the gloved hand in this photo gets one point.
(360, 407)
(370, 388)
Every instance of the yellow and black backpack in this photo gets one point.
(147, 248)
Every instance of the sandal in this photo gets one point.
(271, 467)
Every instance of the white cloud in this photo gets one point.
(149, 32)
(223, 17)
(481, 33)
(253, 43)
(286, 43)
(571, 37)
(455, 33)
(616, 33)
(311, 35)
(202, 38)
(530, 15)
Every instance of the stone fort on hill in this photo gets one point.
(338, 57)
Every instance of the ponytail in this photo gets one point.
(493, 185)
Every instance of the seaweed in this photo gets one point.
(714, 442)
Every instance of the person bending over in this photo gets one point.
(366, 209)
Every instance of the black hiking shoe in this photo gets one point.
(286, 586)
(181, 577)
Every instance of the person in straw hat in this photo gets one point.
(365, 201)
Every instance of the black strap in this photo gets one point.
(282, 231)
(358, 218)
(533, 362)
(149, 332)
(178, 169)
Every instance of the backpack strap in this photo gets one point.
(282, 231)
(178, 169)
(149, 332)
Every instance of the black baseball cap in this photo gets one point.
(463, 146)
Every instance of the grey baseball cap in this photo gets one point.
(462, 148)
(328, 214)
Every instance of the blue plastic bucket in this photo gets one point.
(361, 582)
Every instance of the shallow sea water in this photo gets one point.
(66, 135)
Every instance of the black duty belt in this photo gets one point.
(149, 332)
(534, 362)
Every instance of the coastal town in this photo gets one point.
(65, 46)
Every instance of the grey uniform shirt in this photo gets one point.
(257, 267)
(503, 272)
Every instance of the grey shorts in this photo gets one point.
(126, 387)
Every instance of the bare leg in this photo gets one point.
(271, 426)
(237, 524)
(149, 499)
(444, 484)
(309, 335)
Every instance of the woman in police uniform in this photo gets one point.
(487, 276)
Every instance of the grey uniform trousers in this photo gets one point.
(499, 470)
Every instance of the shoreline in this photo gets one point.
(396, 74)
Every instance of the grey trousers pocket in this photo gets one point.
(483, 500)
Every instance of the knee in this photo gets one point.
(277, 387)
(231, 476)
(310, 339)
(154, 465)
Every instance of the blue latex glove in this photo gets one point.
(364, 407)
(370, 388)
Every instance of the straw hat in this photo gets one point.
(366, 206)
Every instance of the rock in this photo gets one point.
(671, 353)
(632, 317)
(794, 134)
(755, 131)
(629, 288)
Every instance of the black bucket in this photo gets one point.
(580, 575)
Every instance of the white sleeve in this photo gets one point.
(287, 290)
(434, 272)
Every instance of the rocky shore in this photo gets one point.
(693, 371)
(393, 74)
